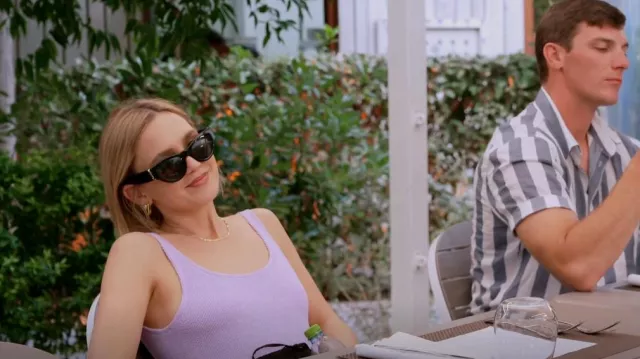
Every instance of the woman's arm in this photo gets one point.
(127, 284)
(320, 312)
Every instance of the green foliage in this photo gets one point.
(539, 8)
(53, 244)
(307, 138)
(173, 24)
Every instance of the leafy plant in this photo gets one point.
(307, 138)
(168, 26)
(54, 237)
(539, 8)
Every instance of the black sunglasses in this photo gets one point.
(173, 169)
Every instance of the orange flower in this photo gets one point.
(84, 216)
(78, 243)
(228, 112)
(233, 176)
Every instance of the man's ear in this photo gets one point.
(134, 195)
(555, 56)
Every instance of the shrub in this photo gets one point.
(306, 138)
(53, 241)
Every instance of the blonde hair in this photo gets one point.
(117, 152)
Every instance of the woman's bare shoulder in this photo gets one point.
(135, 250)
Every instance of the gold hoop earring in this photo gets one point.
(147, 209)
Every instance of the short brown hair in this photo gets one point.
(559, 23)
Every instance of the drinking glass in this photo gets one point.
(525, 328)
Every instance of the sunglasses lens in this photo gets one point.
(202, 148)
(172, 169)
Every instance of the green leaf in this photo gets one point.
(267, 34)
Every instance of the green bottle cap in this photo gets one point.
(313, 331)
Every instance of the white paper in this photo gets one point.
(422, 348)
(481, 344)
(373, 352)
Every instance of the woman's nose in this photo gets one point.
(192, 163)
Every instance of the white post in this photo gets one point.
(7, 85)
(406, 56)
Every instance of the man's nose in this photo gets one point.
(621, 61)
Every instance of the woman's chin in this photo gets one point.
(203, 194)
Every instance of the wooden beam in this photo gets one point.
(331, 19)
(529, 27)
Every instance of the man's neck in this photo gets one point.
(575, 112)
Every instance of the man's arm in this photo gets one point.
(577, 252)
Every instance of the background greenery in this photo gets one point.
(307, 138)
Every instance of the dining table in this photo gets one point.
(616, 302)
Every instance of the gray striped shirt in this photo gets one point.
(533, 163)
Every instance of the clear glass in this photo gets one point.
(322, 344)
(525, 328)
(328, 344)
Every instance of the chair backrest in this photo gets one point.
(449, 266)
(20, 351)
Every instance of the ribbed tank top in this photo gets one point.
(228, 316)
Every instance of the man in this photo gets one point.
(558, 190)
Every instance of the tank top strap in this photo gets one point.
(262, 231)
(176, 258)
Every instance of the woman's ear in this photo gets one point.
(134, 195)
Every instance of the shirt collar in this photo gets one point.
(599, 129)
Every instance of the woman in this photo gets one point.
(185, 281)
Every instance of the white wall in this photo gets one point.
(461, 27)
(250, 35)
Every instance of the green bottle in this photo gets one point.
(320, 343)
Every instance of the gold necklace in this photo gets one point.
(219, 238)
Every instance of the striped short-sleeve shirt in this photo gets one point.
(533, 163)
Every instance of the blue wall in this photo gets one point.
(625, 115)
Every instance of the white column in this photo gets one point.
(7, 85)
(347, 28)
(410, 294)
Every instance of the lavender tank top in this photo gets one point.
(228, 316)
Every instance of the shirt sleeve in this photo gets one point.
(525, 176)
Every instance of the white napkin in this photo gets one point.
(406, 346)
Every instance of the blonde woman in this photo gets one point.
(181, 279)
